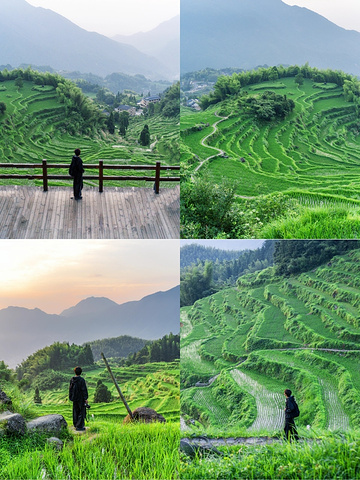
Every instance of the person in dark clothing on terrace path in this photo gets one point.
(78, 394)
(291, 411)
(76, 170)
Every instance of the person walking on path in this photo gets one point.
(76, 171)
(291, 412)
(78, 394)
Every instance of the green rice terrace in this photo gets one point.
(304, 155)
(47, 117)
(240, 349)
(108, 449)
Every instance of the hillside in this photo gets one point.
(48, 116)
(309, 155)
(150, 318)
(212, 32)
(272, 333)
(34, 35)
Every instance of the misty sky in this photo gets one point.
(226, 244)
(345, 13)
(56, 274)
(113, 17)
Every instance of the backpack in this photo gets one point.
(74, 392)
(296, 411)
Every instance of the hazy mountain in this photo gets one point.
(34, 35)
(247, 33)
(23, 331)
(163, 42)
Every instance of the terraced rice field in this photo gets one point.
(300, 333)
(32, 130)
(152, 385)
(312, 156)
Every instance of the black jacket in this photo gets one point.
(80, 390)
(289, 407)
(76, 168)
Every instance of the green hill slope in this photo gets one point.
(311, 156)
(269, 334)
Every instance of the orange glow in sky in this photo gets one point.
(56, 274)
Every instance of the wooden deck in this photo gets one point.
(28, 212)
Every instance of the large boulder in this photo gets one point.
(12, 423)
(48, 423)
(146, 415)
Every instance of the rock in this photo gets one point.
(12, 423)
(48, 423)
(191, 449)
(4, 398)
(56, 443)
(146, 415)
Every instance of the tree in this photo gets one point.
(19, 82)
(145, 136)
(102, 393)
(299, 79)
(37, 398)
(111, 123)
(2, 107)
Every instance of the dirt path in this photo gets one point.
(219, 151)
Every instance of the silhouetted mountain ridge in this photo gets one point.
(24, 331)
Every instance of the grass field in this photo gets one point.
(109, 449)
(31, 130)
(312, 157)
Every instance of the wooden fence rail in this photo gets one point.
(44, 166)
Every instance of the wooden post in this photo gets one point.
(117, 386)
(101, 175)
(157, 177)
(45, 179)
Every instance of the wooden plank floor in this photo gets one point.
(28, 212)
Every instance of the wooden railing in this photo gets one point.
(45, 166)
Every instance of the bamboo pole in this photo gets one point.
(117, 387)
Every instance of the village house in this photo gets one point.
(144, 102)
(126, 108)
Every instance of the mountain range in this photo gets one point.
(23, 331)
(163, 43)
(249, 33)
(38, 36)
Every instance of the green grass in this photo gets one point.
(329, 458)
(107, 451)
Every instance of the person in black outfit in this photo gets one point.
(78, 394)
(76, 170)
(290, 428)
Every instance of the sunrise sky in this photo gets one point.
(56, 274)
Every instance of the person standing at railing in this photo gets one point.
(76, 171)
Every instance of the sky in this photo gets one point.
(345, 13)
(227, 244)
(57, 274)
(113, 17)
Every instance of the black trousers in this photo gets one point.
(79, 414)
(78, 185)
(290, 430)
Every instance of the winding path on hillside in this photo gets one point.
(219, 151)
